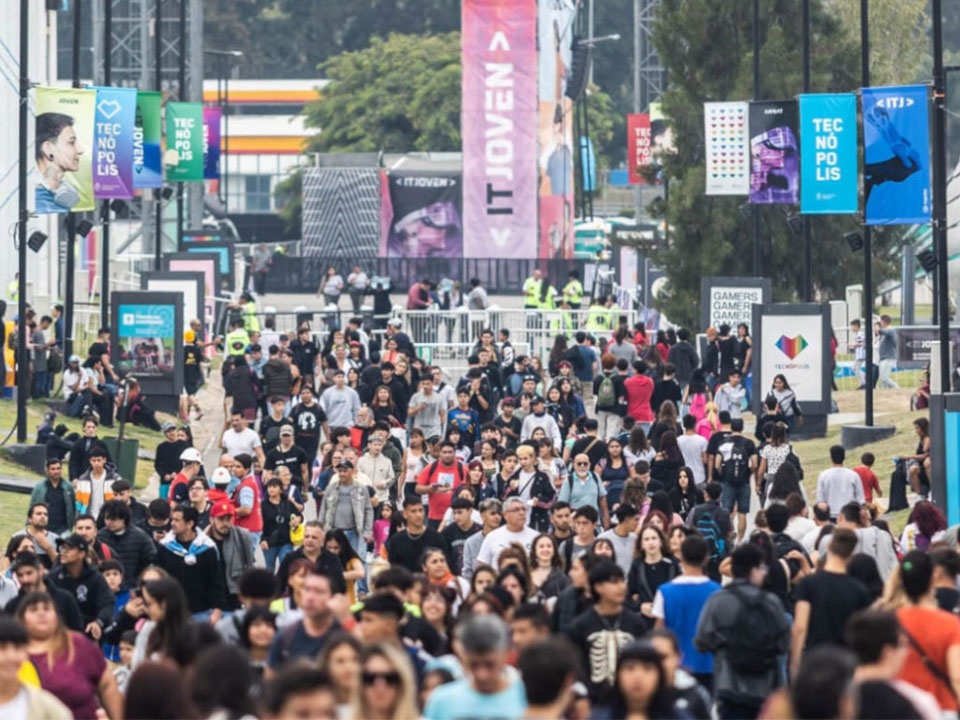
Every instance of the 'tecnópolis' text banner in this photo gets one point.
(638, 146)
(147, 138)
(774, 153)
(896, 155)
(726, 135)
(184, 142)
(113, 142)
(499, 128)
(64, 142)
(828, 154)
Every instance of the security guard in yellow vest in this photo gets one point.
(531, 290)
(573, 290)
(248, 309)
(598, 317)
(237, 339)
(562, 322)
(613, 314)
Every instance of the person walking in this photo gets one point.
(886, 352)
(357, 286)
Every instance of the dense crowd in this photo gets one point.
(564, 536)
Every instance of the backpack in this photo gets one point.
(735, 469)
(710, 531)
(795, 461)
(606, 392)
(752, 646)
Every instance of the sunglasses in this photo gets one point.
(582, 464)
(390, 678)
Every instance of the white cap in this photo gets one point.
(220, 476)
(270, 310)
(191, 455)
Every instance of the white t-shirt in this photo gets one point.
(501, 538)
(245, 441)
(16, 709)
(692, 447)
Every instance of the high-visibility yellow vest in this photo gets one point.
(597, 318)
(13, 290)
(573, 292)
(238, 337)
(531, 292)
(250, 320)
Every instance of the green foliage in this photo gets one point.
(707, 46)
(289, 194)
(400, 94)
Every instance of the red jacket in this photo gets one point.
(254, 521)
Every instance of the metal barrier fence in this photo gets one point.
(452, 357)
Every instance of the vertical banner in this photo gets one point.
(147, 339)
(726, 135)
(774, 153)
(828, 157)
(64, 141)
(499, 128)
(638, 146)
(147, 131)
(555, 31)
(421, 215)
(661, 139)
(184, 156)
(211, 142)
(896, 157)
(114, 142)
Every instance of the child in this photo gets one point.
(112, 572)
(381, 527)
(871, 484)
(122, 671)
(296, 529)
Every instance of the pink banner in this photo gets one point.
(499, 127)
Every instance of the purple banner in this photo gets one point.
(499, 126)
(211, 142)
(113, 142)
(774, 153)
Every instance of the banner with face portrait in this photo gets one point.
(420, 214)
(64, 140)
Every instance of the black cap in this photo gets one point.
(536, 399)
(74, 541)
(345, 464)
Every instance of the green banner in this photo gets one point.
(184, 155)
(147, 141)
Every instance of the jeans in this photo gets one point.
(356, 300)
(886, 370)
(609, 424)
(40, 384)
(359, 546)
(273, 556)
(255, 541)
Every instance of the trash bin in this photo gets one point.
(124, 454)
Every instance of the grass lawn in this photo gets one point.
(13, 511)
(148, 439)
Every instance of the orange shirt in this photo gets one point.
(869, 480)
(935, 631)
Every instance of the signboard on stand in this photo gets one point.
(793, 341)
(730, 300)
(147, 340)
(189, 284)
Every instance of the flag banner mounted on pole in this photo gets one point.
(726, 136)
(147, 136)
(828, 154)
(184, 155)
(64, 141)
(774, 153)
(114, 142)
(499, 122)
(638, 146)
(896, 156)
(211, 142)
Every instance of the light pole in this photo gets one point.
(867, 237)
(224, 103)
(940, 195)
(24, 215)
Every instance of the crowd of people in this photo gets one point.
(550, 537)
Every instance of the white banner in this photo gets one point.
(733, 305)
(727, 148)
(793, 347)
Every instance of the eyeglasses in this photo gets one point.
(390, 678)
(582, 464)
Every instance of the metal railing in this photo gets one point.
(452, 358)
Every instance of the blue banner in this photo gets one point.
(828, 154)
(589, 163)
(896, 140)
(113, 142)
(146, 321)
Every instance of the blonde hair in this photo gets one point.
(894, 596)
(711, 414)
(406, 704)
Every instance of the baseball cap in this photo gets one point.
(191, 455)
(395, 322)
(223, 508)
(529, 376)
(169, 426)
(345, 464)
(286, 429)
(509, 400)
(536, 399)
(73, 358)
(74, 541)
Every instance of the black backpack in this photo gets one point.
(735, 469)
(710, 531)
(753, 643)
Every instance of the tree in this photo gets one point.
(400, 94)
(708, 236)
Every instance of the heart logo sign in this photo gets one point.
(791, 347)
(108, 108)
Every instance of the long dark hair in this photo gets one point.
(669, 447)
(347, 553)
(176, 635)
(660, 704)
(786, 481)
